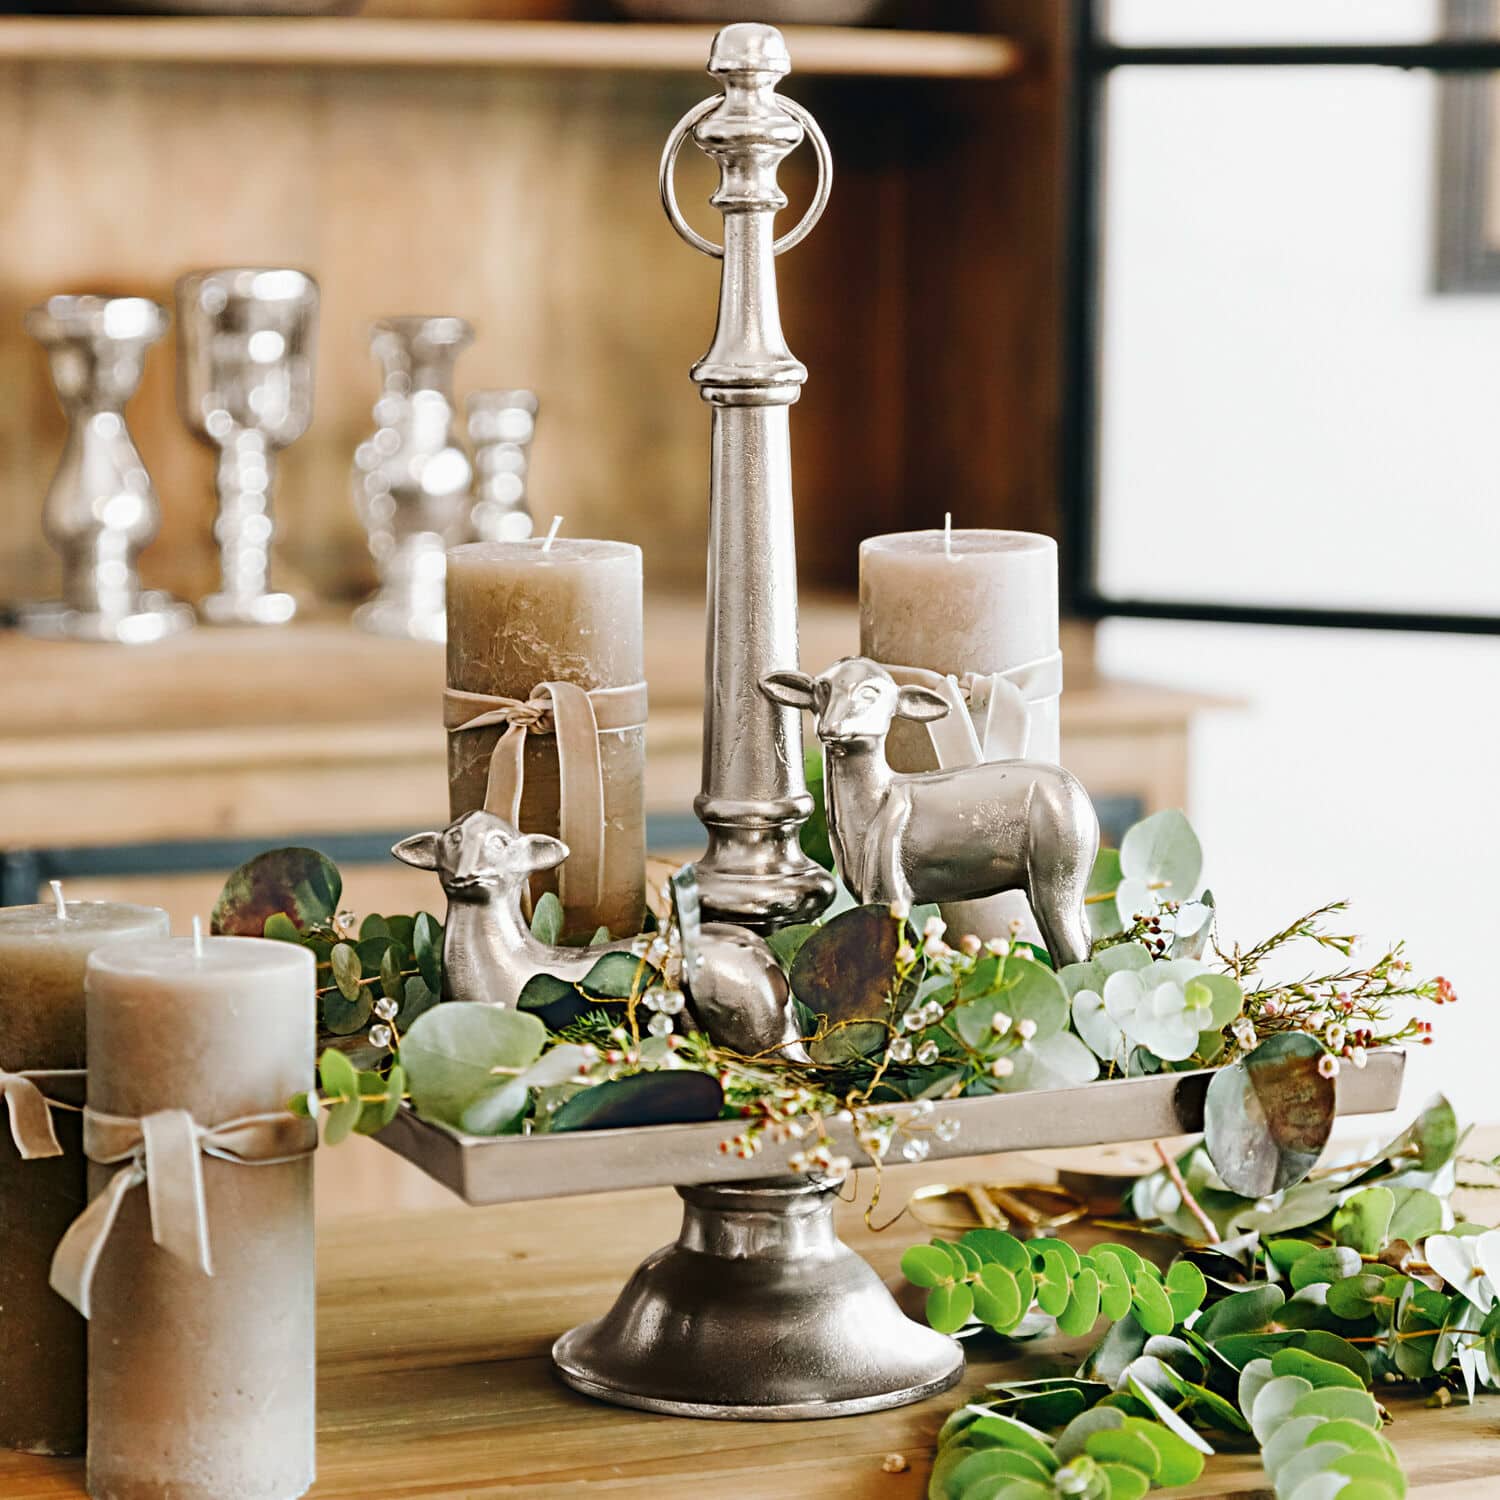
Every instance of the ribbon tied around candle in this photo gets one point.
(164, 1152)
(30, 1110)
(576, 718)
(989, 715)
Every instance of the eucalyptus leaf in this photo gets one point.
(1363, 1221)
(670, 1098)
(427, 948)
(618, 976)
(456, 1052)
(845, 969)
(344, 1017)
(1268, 1116)
(547, 919)
(302, 884)
(496, 1111)
(347, 970)
(1163, 851)
(281, 927)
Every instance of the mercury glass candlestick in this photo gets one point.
(43, 951)
(501, 427)
(412, 478)
(524, 613)
(201, 1387)
(100, 510)
(245, 385)
(967, 602)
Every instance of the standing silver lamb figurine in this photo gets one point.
(753, 800)
(954, 835)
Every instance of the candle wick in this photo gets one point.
(948, 534)
(552, 531)
(197, 937)
(57, 896)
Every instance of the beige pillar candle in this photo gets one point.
(957, 602)
(201, 1387)
(42, 1361)
(528, 612)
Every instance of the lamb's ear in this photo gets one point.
(789, 689)
(920, 703)
(532, 852)
(419, 850)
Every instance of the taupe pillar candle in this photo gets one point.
(954, 602)
(42, 1361)
(524, 613)
(201, 1387)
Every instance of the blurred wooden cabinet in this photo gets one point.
(506, 172)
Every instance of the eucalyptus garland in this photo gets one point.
(895, 1012)
(1280, 1332)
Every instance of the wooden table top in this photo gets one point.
(434, 1326)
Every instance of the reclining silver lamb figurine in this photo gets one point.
(952, 835)
(738, 991)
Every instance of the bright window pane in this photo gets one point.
(1291, 414)
(1170, 22)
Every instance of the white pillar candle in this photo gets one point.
(201, 1387)
(554, 609)
(43, 950)
(956, 602)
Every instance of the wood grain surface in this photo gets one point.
(435, 1321)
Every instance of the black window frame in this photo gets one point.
(1093, 59)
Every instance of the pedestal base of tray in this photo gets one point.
(757, 1313)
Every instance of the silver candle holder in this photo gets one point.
(501, 427)
(412, 478)
(245, 386)
(100, 509)
(754, 799)
(758, 1311)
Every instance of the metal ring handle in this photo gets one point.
(792, 237)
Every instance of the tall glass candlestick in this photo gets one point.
(43, 950)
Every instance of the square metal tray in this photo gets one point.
(510, 1169)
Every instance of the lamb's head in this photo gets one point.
(855, 699)
(480, 854)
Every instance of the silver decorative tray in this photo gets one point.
(509, 1169)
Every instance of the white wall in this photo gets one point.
(1364, 766)
(1292, 415)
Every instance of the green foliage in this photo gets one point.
(992, 1277)
(300, 885)
(1285, 1341)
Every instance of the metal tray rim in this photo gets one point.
(509, 1169)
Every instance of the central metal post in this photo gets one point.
(754, 798)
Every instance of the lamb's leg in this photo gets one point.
(1063, 842)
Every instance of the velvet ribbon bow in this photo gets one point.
(575, 718)
(164, 1152)
(30, 1110)
(989, 714)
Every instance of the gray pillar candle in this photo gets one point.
(201, 1387)
(954, 602)
(558, 610)
(42, 958)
